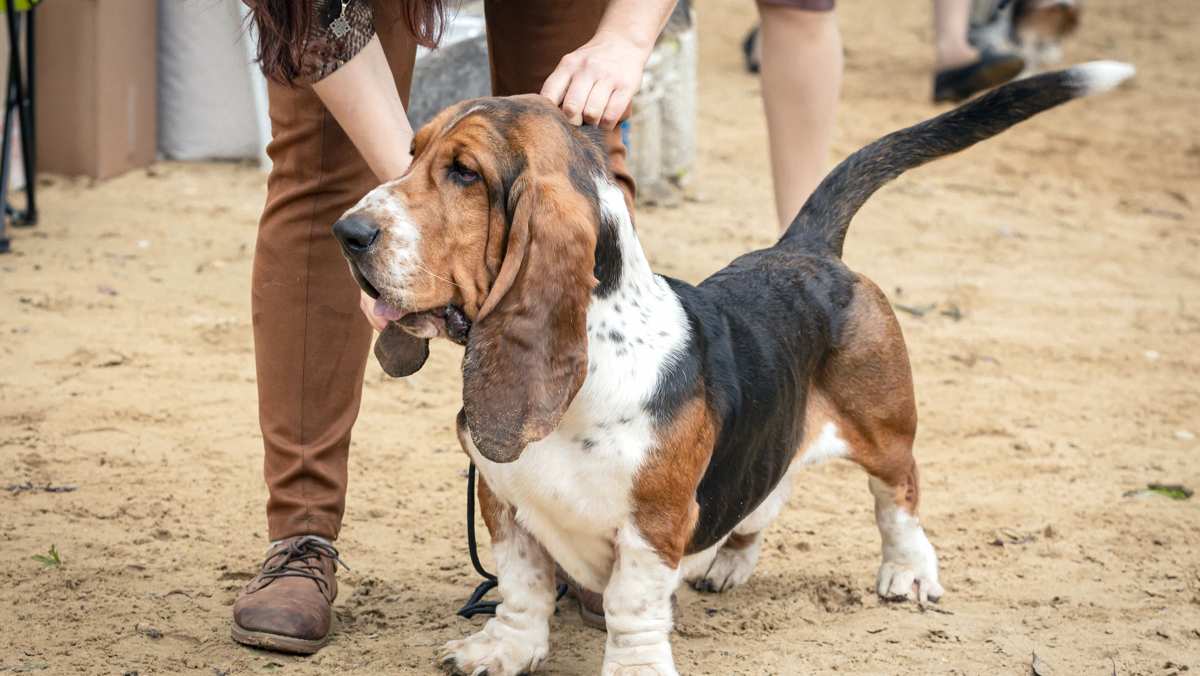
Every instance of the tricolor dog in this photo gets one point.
(636, 429)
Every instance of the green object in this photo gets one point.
(1173, 491)
(19, 5)
(49, 559)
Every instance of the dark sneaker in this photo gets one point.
(750, 50)
(288, 606)
(591, 604)
(963, 82)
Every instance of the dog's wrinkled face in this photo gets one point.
(428, 232)
(496, 219)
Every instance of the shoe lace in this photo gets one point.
(302, 558)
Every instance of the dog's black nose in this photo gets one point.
(355, 233)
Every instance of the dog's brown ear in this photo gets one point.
(399, 352)
(527, 351)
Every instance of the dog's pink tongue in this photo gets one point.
(386, 311)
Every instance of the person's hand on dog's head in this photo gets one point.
(595, 84)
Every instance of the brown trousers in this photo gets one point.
(310, 340)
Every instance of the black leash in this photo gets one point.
(475, 604)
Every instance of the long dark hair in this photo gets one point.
(283, 26)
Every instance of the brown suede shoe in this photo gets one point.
(288, 606)
(591, 604)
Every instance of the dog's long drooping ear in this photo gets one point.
(527, 351)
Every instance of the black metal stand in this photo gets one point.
(18, 100)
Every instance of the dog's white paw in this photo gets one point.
(485, 653)
(633, 655)
(640, 670)
(909, 570)
(729, 568)
(616, 666)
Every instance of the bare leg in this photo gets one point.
(869, 397)
(801, 83)
(951, 18)
(733, 563)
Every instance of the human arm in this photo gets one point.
(361, 95)
(300, 45)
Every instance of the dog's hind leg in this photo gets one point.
(910, 568)
(867, 383)
(732, 563)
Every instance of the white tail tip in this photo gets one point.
(1101, 76)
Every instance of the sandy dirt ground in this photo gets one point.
(1056, 367)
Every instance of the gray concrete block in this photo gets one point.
(662, 128)
(455, 71)
(448, 75)
(679, 106)
(643, 134)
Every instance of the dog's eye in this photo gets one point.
(462, 174)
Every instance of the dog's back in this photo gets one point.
(764, 326)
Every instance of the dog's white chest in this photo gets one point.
(571, 491)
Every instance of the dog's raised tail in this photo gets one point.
(823, 220)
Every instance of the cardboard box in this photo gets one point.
(96, 77)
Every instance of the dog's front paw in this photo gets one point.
(612, 668)
(646, 659)
(485, 653)
(639, 670)
(909, 571)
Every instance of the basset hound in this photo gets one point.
(636, 429)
